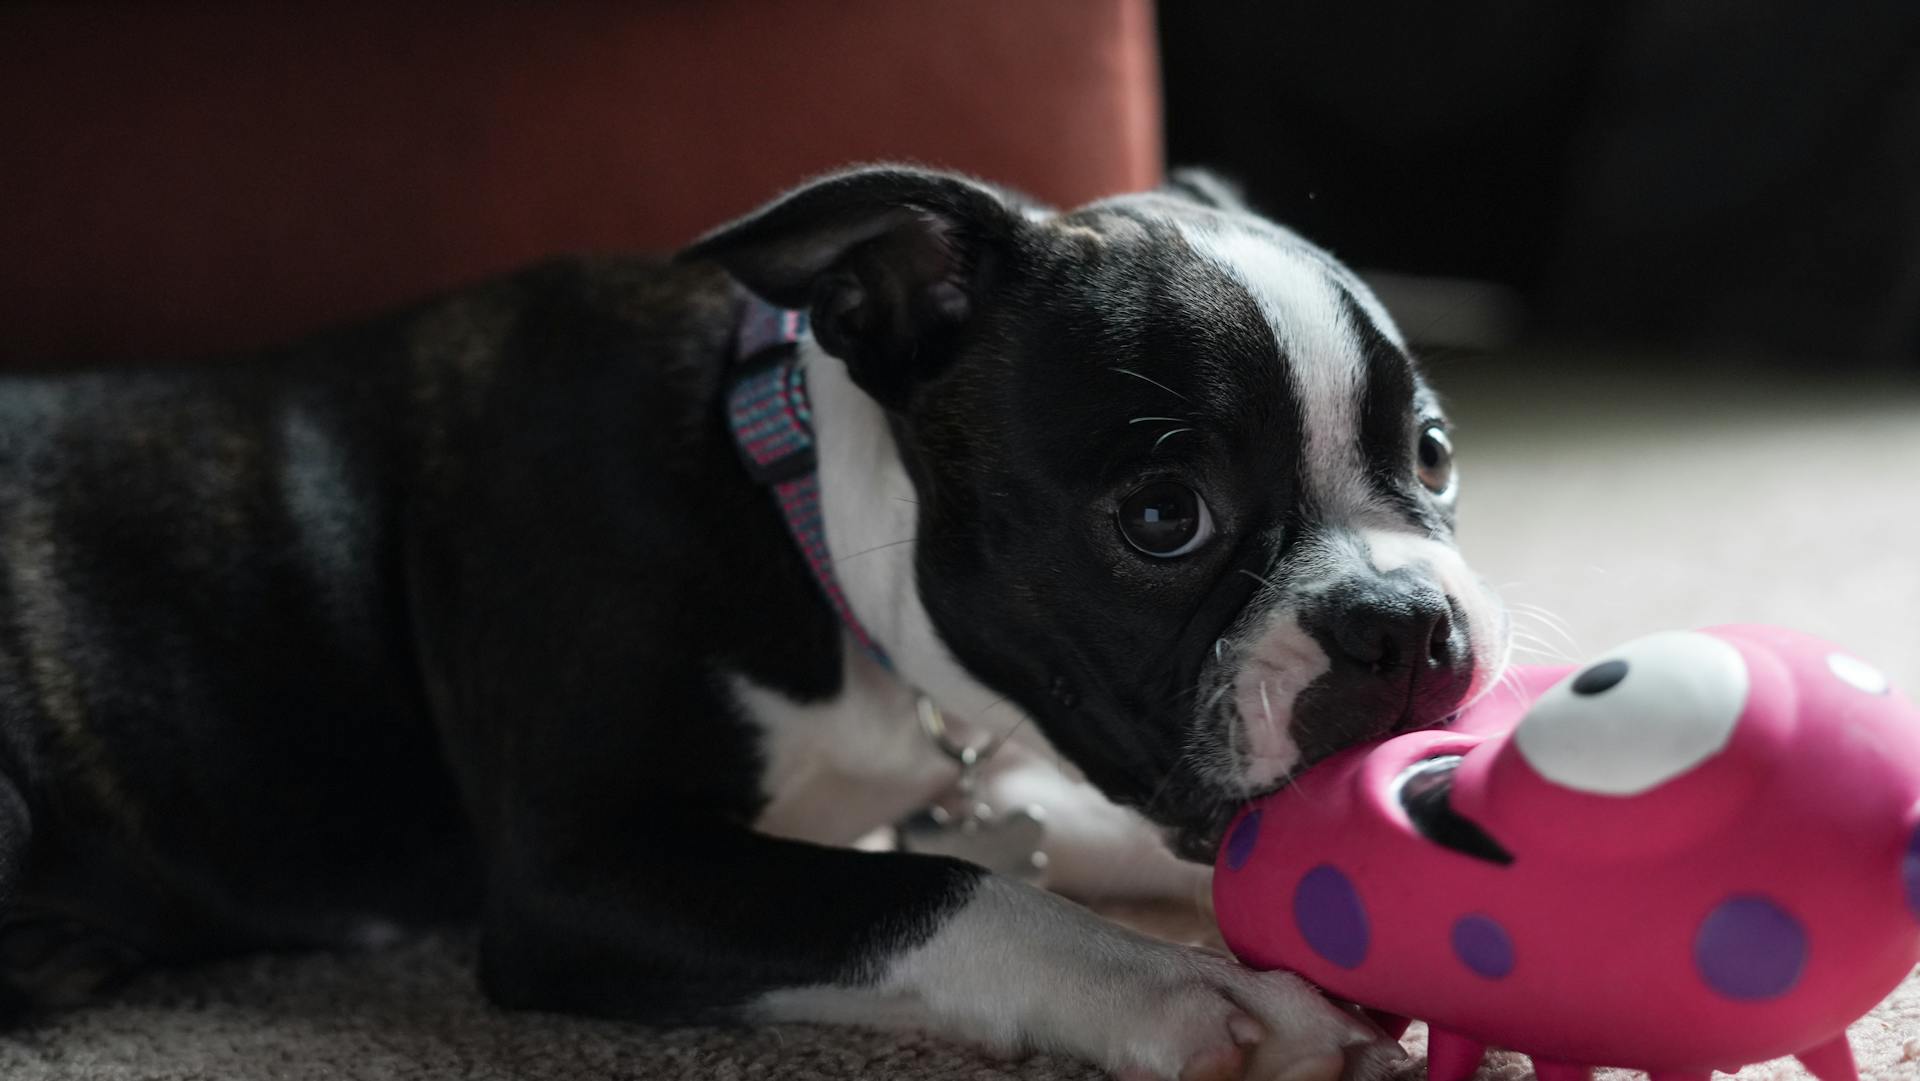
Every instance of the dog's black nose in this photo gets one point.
(1399, 657)
(1389, 629)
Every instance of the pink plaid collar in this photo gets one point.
(773, 428)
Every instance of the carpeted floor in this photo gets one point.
(1621, 502)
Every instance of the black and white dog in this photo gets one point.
(480, 610)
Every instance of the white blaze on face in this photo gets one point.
(1298, 291)
(1303, 294)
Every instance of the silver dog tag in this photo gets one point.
(958, 825)
(1007, 844)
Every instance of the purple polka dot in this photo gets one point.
(1328, 912)
(1910, 873)
(1240, 841)
(1483, 946)
(1749, 948)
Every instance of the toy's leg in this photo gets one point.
(1451, 1056)
(1831, 1061)
(1561, 1071)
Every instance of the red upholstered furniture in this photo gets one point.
(183, 180)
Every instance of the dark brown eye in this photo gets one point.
(1165, 519)
(1433, 459)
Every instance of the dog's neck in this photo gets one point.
(772, 424)
(871, 513)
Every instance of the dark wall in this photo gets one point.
(1707, 175)
(181, 179)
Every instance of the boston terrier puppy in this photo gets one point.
(608, 603)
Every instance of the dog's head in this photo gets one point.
(1182, 493)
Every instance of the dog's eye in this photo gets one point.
(1433, 459)
(1165, 519)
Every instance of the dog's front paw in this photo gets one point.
(1018, 967)
(1198, 1016)
(1015, 969)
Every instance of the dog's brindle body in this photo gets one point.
(285, 636)
(466, 611)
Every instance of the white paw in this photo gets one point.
(1017, 967)
(1197, 1016)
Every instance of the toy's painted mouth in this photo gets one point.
(1424, 791)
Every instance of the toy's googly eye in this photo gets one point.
(1650, 711)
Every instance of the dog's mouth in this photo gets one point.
(1199, 842)
(1332, 712)
(1424, 792)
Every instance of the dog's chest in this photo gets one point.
(836, 769)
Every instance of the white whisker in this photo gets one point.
(1548, 620)
(1164, 436)
(1155, 382)
(1218, 693)
(1521, 641)
(1236, 770)
(1268, 582)
(875, 548)
(1511, 681)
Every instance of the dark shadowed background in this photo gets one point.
(1714, 175)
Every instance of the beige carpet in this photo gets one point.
(1622, 502)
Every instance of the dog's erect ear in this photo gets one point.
(889, 262)
(1207, 188)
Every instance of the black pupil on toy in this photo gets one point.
(1601, 677)
(1161, 517)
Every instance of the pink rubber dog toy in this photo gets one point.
(1696, 853)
